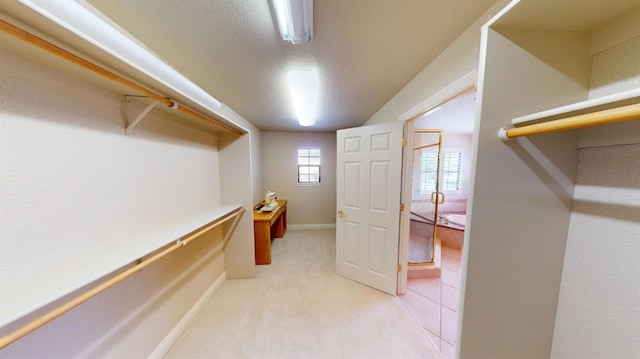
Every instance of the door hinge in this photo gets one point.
(404, 141)
(401, 207)
(399, 268)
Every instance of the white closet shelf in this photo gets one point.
(21, 298)
(623, 106)
(579, 108)
(110, 72)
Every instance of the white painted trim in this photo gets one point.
(182, 325)
(311, 226)
(455, 89)
(405, 198)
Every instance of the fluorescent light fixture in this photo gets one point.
(295, 20)
(304, 90)
(85, 23)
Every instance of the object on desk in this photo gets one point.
(270, 197)
(269, 207)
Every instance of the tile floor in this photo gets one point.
(434, 302)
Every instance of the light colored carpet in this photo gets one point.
(298, 307)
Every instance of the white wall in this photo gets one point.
(241, 181)
(256, 166)
(598, 311)
(72, 183)
(237, 185)
(520, 198)
(457, 60)
(548, 269)
(605, 80)
(255, 148)
(307, 204)
(69, 172)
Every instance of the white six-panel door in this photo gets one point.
(369, 164)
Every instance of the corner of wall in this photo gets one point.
(458, 59)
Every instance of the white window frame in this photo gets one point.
(309, 160)
(427, 185)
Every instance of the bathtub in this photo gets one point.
(453, 220)
(451, 227)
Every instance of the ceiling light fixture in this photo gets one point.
(304, 90)
(90, 26)
(295, 20)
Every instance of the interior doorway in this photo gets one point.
(437, 206)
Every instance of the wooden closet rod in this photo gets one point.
(56, 312)
(624, 113)
(56, 50)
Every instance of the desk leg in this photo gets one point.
(262, 237)
(280, 227)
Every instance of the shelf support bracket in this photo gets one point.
(137, 120)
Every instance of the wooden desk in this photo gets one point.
(266, 226)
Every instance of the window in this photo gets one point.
(451, 168)
(308, 165)
(428, 172)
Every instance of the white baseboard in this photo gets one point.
(182, 325)
(311, 226)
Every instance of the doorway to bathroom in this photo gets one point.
(425, 197)
(440, 166)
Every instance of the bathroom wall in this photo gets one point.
(72, 184)
(307, 204)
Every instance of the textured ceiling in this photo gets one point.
(365, 51)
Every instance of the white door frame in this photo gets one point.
(453, 90)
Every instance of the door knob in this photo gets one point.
(340, 213)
